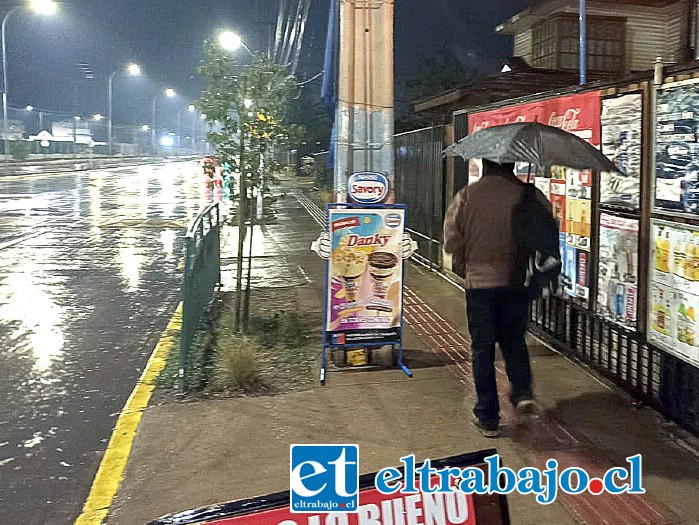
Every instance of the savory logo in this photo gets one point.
(368, 188)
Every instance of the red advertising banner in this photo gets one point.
(578, 114)
(375, 508)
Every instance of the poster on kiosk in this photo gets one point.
(365, 245)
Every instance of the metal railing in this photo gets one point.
(420, 181)
(652, 376)
(202, 274)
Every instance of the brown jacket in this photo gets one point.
(478, 229)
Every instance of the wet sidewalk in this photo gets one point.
(193, 454)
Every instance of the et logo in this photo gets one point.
(324, 478)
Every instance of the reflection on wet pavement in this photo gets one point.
(88, 278)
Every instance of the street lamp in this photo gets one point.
(145, 128)
(131, 69)
(77, 118)
(230, 41)
(247, 103)
(168, 92)
(42, 7)
(30, 108)
(193, 110)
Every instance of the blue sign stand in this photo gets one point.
(327, 342)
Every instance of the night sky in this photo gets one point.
(165, 37)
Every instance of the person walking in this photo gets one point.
(483, 229)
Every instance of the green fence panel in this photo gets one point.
(201, 277)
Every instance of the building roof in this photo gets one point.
(521, 81)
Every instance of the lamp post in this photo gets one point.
(170, 93)
(145, 128)
(43, 7)
(193, 111)
(76, 119)
(131, 69)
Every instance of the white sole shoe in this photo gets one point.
(525, 407)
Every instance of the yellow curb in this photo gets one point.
(111, 470)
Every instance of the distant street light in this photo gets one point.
(30, 108)
(131, 69)
(168, 92)
(42, 7)
(191, 108)
(248, 103)
(77, 118)
(230, 41)
(97, 117)
(145, 128)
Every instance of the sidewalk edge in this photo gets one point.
(110, 472)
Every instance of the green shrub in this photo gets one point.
(237, 364)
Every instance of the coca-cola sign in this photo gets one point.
(578, 114)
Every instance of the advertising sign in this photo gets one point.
(570, 191)
(675, 289)
(578, 208)
(558, 200)
(621, 143)
(569, 257)
(367, 188)
(453, 508)
(571, 202)
(374, 507)
(365, 276)
(677, 148)
(617, 288)
(577, 114)
(582, 285)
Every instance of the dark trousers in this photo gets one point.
(498, 316)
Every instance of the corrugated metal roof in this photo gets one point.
(521, 81)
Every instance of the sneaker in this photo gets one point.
(525, 407)
(489, 430)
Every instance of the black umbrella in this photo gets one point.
(531, 142)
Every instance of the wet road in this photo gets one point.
(89, 276)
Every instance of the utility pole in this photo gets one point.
(365, 93)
